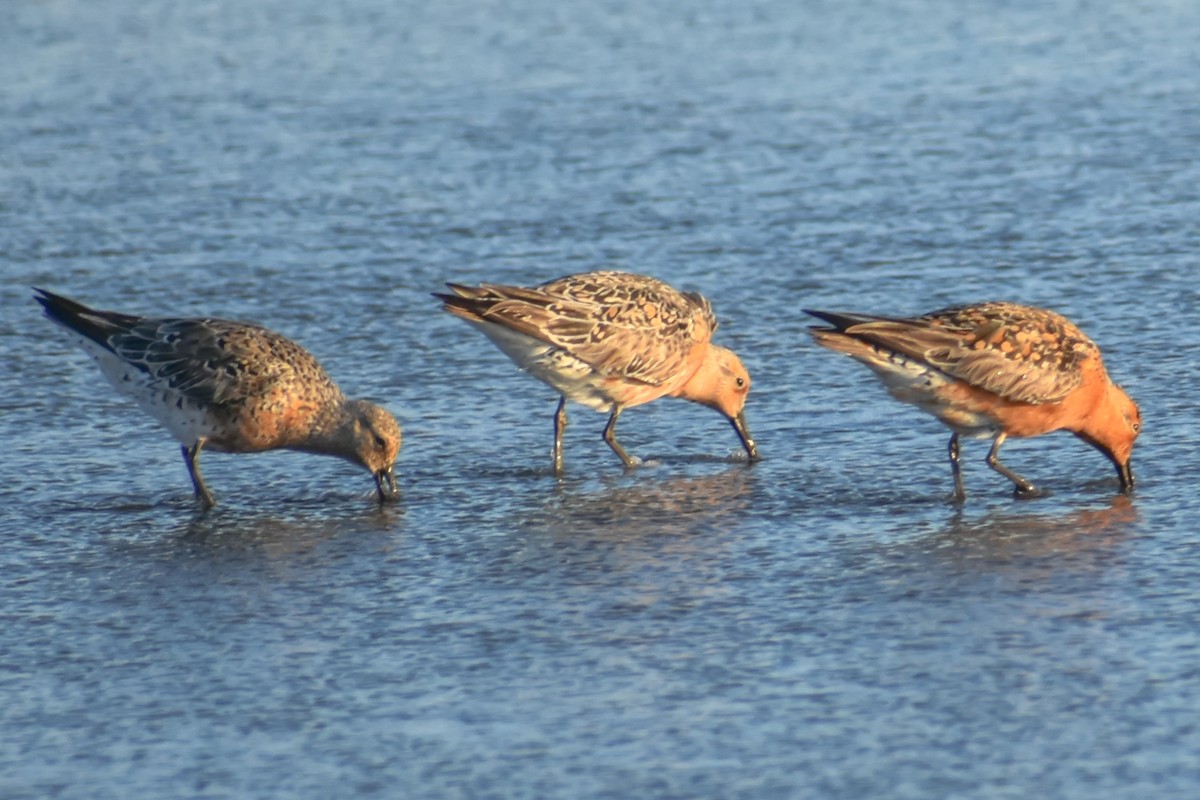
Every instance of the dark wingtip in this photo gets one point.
(465, 302)
(75, 316)
(57, 307)
(841, 320)
(46, 298)
(457, 290)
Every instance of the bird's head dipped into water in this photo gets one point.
(372, 438)
(723, 383)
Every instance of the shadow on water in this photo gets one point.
(608, 467)
(299, 521)
(738, 457)
(620, 543)
(1081, 538)
(275, 529)
(677, 505)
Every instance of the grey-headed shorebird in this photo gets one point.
(231, 387)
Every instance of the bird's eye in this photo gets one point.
(379, 442)
(1137, 427)
(741, 383)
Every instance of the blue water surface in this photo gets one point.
(822, 624)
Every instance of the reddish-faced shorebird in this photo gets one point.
(994, 370)
(232, 387)
(610, 341)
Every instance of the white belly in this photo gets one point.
(569, 376)
(186, 420)
(919, 384)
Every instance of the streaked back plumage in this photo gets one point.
(994, 369)
(610, 340)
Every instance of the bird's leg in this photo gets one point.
(1024, 489)
(560, 425)
(611, 438)
(960, 494)
(191, 457)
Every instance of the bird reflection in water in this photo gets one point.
(1082, 538)
(279, 536)
(670, 507)
(646, 546)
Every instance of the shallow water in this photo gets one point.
(821, 624)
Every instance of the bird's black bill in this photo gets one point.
(385, 484)
(1125, 473)
(739, 425)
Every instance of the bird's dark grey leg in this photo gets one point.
(1024, 489)
(611, 437)
(191, 457)
(960, 494)
(560, 425)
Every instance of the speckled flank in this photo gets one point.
(232, 387)
(994, 369)
(610, 340)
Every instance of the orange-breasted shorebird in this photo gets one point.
(231, 387)
(610, 341)
(994, 370)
